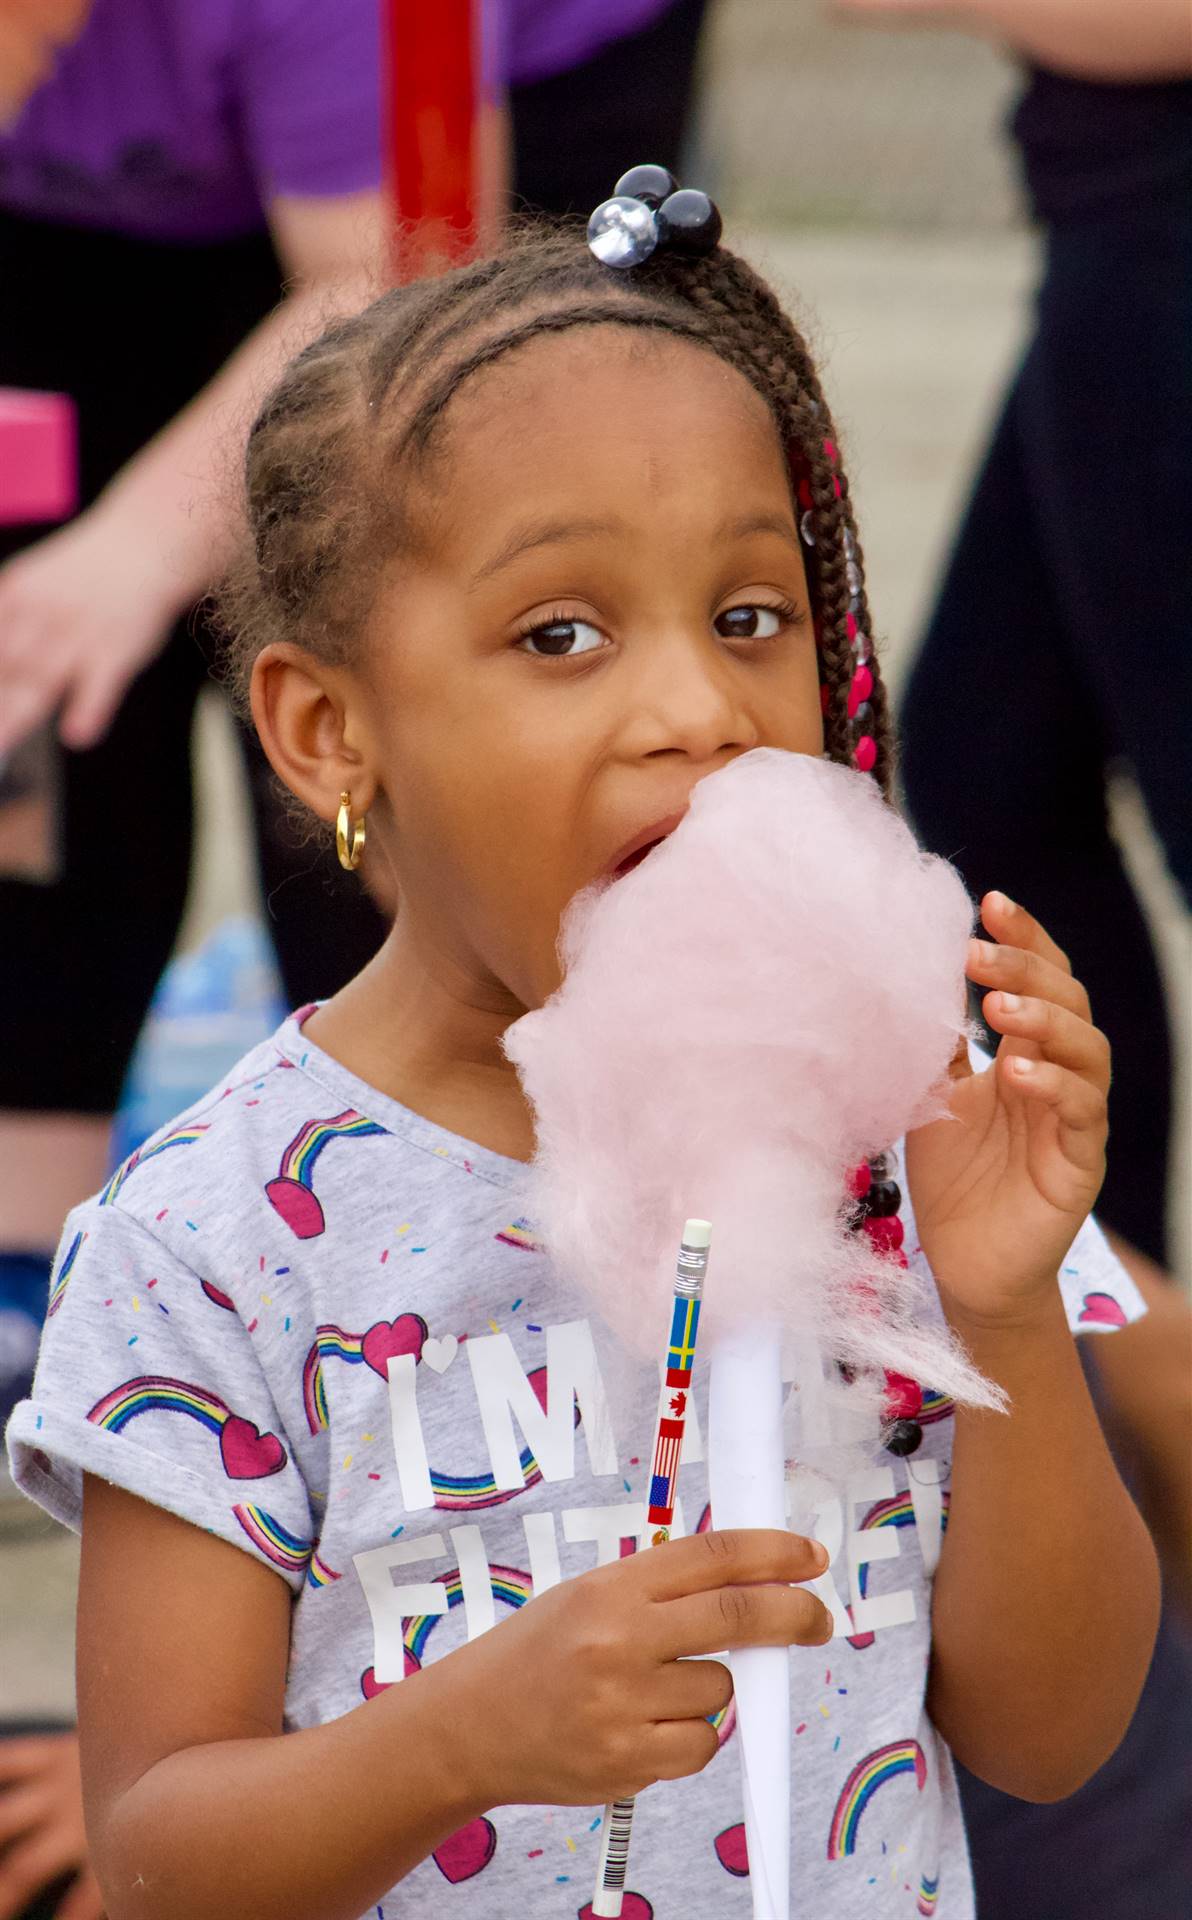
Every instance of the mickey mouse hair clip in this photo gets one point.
(650, 210)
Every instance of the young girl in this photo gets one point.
(533, 549)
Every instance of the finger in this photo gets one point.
(1079, 1108)
(1013, 926)
(31, 1753)
(24, 1871)
(693, 1689)
(753, 1616)
(1016, 970)
(1060, 1036)
(677, 1748)
(90, 709)
(717, 1559)
(82, 1901)
(26, 705)
(22, 1809)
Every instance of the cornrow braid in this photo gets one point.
(337, 447)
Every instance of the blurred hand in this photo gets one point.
(80, 614)
(41, 1826)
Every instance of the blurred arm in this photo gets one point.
(1091, 39)
(332, 252)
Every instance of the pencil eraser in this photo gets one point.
(38, 456)
(697, 1233)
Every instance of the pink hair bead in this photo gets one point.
(865, 754)
(861, 688)
(904, 1397)
(886, 1234)
(859, 1180)
(830, 450)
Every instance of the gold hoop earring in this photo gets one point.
(349, 842)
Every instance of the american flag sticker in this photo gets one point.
(666, 1465)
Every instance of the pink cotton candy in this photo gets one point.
(772, 995)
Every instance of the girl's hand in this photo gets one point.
(594, 1691)
(1001, 1188)
(80, 614)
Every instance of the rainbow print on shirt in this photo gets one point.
(511, 1587)
(285, 1549)
(373, 1348)
(929, 1893)
(519, 1233)
(63, 1275)
(291, 1192)
(246, 1452)
(887, 1763)
(176, 1137)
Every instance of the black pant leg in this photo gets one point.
(1005, 750)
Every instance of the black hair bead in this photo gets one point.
(648, 183)
(688, 223)
(904, 1438)
(882, 1199)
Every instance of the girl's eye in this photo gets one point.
(564, 638)
(750, 623)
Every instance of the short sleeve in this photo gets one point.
(1099, 1295)
(148, 1379)
(308, 84)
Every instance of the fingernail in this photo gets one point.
(819, 1554)
(1020, 1065)
(1004, 901)
(1010, 1002)
(985, 951)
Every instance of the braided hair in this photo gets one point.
(334, 454)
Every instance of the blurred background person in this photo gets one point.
(1073, 569)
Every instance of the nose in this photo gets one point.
(687, 699)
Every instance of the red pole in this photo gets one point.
(430, 74)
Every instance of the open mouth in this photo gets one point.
(635, 859)
(642, 845)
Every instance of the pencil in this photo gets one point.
(617, 1826)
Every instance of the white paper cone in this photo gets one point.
(747, 1482)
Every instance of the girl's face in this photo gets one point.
(608, 602)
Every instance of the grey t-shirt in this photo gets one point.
(320, 1327)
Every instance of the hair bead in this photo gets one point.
(865, 754)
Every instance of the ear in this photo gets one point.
(304, 712)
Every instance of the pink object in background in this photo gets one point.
(38, 457)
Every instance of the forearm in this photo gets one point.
(322, 1821)
(1046, 1560)
(1093, 39)
(175, 486)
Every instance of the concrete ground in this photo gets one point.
(916, 334)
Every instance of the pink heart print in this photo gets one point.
(468, 1852)
(730, 1850)
(1102, 1310)
(246, 1452)
(386, 1338)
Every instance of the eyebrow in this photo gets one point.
(740, 529)
(542, 533)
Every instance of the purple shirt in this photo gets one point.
(181, 119)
